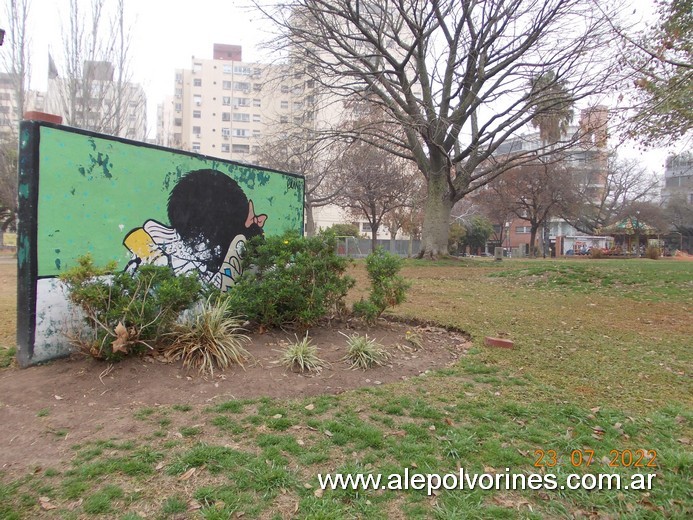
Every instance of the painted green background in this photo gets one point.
(93, 191)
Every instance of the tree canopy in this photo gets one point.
(662, 62)
(451, 75)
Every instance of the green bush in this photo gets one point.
(126, 312)
(290, 281)
(342, 230)
(387, 287)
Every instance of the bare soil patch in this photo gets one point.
(44, 410)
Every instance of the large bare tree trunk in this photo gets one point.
(533, 241)
(436, 226)
(310, 221)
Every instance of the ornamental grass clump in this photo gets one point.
(208, 337)
(302, 356)
(364, 352)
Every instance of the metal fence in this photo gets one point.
(361, 247)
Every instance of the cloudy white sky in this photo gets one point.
(167, 33)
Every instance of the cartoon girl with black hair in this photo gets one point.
(211, 219)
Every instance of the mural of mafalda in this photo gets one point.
(131, 203)
(210, 220)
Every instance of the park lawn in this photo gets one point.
(600, 368)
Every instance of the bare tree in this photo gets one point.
(599, 198)
(453, 75)
(375, 184)
(8, 185)
(16, 63)
(316, 160)
(533, 193)
(93, 90)
(16, 60)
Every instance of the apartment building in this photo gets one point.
(9, 122)
(225, 107)
(99, 101)
(678, 177)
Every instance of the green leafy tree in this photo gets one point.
(663, 66)
(343, 230)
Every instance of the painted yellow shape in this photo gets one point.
(142, 245)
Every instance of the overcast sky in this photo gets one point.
(167, 33)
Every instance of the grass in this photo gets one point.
(601, 364)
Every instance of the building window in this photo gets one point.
(227, 69)
(197, 99)
(226, 85)
(257, 133)
(244, 118)
(226, 116)
(240, 69)
(523, 229)
(178, 121)
(196, 147)
(197, 130)
(225, 147)
(284, 104)
(240, 148)
(225, 132)
(226, 100)
(240, 132)
(297, 105)
(242, 85)
(197, 82)
(284, 119)
(366, 227)
(257, 87)
(257, 118)
(179, 77)
(257, 103)
(197, 67)
(197, 114)
(179, 107)
(241, 102)
(285, 89)
(179, 92)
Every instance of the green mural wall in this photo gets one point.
(92, 191)
(131, 202)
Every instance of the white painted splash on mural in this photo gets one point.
(55, 318)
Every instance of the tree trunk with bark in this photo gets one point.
(436, 226)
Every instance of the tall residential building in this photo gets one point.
(678, 177)
(224, 106)
(99, 101)
(9, 122)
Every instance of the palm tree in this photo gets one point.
(551, 106)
